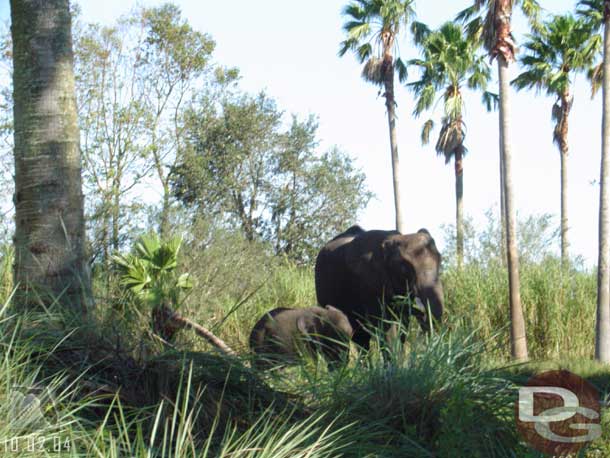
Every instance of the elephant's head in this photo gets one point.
(412, 265)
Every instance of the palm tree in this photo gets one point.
(490, 22)
(149, 273)
(555, 52)
(598, 14)
(450, 62)
(50, 228)
(372, 29)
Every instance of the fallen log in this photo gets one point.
(177, 321)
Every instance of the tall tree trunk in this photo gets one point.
(390, 103)
(164, 227)
(602, 331)
(50, 229)
(518, 337)
(116, 215)
(566, 105)
(502, 204)
(459, 207)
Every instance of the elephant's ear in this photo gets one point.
(332, 309)
(309, 324)
(333, 316)
(303, 325)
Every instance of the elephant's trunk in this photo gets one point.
(430, 292)
(433, 298)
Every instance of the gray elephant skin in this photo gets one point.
(282, 332)
(360, 272)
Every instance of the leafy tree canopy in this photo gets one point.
(242, 165)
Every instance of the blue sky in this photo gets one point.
(290, 50)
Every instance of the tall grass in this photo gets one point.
(559, 306)
(427, 397)
(6, 273)
(120, 394)
(194, 407)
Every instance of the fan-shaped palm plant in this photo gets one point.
(555, 52)
(372, 29)
(149, 272)
(449, 63)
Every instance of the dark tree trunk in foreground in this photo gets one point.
(50, 231)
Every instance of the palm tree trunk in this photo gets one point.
(391, 109)
(459, 207)
(564, 210)
(518, 337)
(50, 230)
(564, 150)
(502, 205)
(602, 331)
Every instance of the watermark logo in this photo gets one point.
(558, 412)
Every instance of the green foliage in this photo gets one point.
(560, 48)
(428, 397)
(592, 11)
(150, 271)
(376, 25)
(442, 396)
(559, 305)
(449, 62)
(241, 168)
(132, 125)
(538, 238)
(6, 272)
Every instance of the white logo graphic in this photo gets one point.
(571, 407)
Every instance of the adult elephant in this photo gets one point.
(360, 272)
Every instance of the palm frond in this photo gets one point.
(372, 71)
(454, 106)
(531, 10)
(490, 100)
(592, 11)
(562, 46)
(355, 11)
(556, 111)
(420, 32)
(426, 130)
(401, 69)
(467, 14)
(595, 75)
(425, 100)
(451, 139)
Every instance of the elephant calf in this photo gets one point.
(282, 332)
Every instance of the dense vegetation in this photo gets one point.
(247, 199)
(185, 399)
